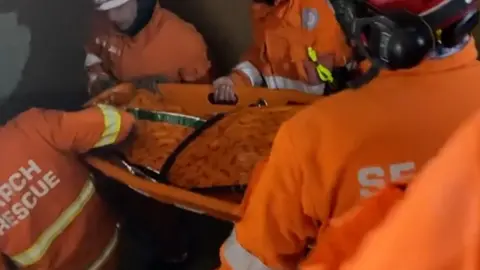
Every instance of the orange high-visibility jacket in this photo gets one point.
(282, 37)
(343, 148)
(166, 46)
(51, 217)
(259, 11)
(435, 226)
(342, 236)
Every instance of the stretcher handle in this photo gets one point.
(211, 99)
(168, 194)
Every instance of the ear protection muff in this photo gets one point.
(394, 41)
(399, 40)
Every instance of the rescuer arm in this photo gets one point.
(436, 225)
(98, 79)
(243, 74)
(84, 130)
(188, 47)
(343, 235)
(248, 71)
(274, 230)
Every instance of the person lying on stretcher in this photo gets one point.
(196, 151)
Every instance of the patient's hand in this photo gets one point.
(224, 90)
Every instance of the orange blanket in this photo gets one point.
(199, 151)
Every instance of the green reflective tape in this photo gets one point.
(167, 117)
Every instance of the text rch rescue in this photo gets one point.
(28, 194)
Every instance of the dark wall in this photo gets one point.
(52, 34)
(225, 24)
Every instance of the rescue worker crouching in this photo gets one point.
(135, 39)
(51, 216)
(294, 41)
(342, 149)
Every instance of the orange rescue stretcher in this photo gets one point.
(194, 154)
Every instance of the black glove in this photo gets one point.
(341, 75)
(150, 82)
(101, 85)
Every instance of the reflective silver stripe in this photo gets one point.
(238, 258)
(113, 121)
(103, 5)
(189, 209)
(92, 59)
(277, 82)
(139, 191)
(251, 71)
(329, 3)
(33, 254)
(107, 252)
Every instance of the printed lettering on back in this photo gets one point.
(28, 185)
(374, 178)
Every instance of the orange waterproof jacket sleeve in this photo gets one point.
(342, 236)
(83, 130)
(191, 53)
(246, 73)
(437, 225)
(274, 229)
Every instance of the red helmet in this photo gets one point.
(421, 7)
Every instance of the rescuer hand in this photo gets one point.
(224, 90)
(100, 84)
(150, 82)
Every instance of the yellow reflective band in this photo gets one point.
(100, 262)
(312, 55)
(324, 74)
(33, 254)
(113, 121)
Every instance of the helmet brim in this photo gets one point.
(111, 4)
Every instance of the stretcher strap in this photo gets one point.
(167, 166)
(167, 117)
(200, 125)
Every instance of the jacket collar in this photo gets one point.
(145, 12)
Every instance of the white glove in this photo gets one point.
(224, 90)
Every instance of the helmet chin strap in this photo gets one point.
(365, 77)
(442, 52)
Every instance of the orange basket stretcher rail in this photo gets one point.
(179, 197)
(188, 183)
(194, 98)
